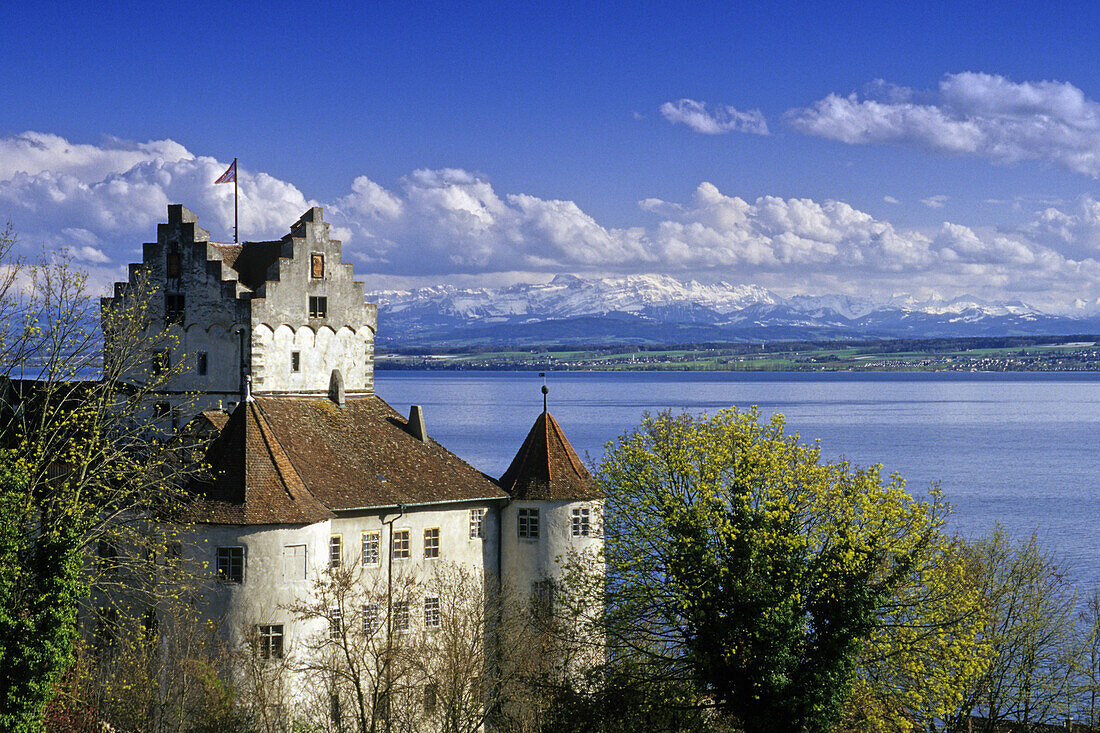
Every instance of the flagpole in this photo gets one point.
(236, 229)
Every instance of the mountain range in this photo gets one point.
(659, 309)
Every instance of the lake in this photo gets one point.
(1020, 449)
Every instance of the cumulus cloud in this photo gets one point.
(935, 202)
(453, 225)
(969, 113)
(714, 120)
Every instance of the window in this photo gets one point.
(542, 599)
(401, 615)
(317, 266)
(161, 411)
(401, 544)
(477, 523)
(294, 562)
(160, 363)
(335, 551)
(271, 642)
(431, 612)
(371, 616)
(431, 542)
(580, 522)
(295, 361)
(108, 556)
(173, 269)
(431, 694)
(172, 552)
(173, 308)
(202, 361)
(334, 710)
(318, 306)
(335, 623)
(177, 415)
(230, 564)
(370, 548)
(529, 523)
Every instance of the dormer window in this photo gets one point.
(317, 266)
(318, 306)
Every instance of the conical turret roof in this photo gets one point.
(547, 467)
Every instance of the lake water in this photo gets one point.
(1019, 449)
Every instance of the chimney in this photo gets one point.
(416, 424)
(336, 388)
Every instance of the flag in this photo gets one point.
(230, 175)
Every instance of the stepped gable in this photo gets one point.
(300, 460)
(547, 467)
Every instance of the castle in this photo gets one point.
(310, 470)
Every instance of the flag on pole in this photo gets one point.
(230, 175)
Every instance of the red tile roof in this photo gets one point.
(297, 460)
(548, 468)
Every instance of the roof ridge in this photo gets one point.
(546, 424)
(566, 446)
(269, 437)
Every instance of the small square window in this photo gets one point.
(581, 527)
(271, 642)
(401, 544)
(230, 564)
(160, 363)
(161, 411)
(295, 361)
(431, 542)
(431, 612)
(477, 524)
(202, 363)
(335, 623)
(335, 551)
(371, 618)
(529, 523)
(318, 306)
(542, 599)
(317, 266)
(173, 308)
(370, 548)
(401, 615)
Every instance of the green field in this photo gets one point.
(1066, 353)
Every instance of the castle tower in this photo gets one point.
(556, 510)
(284, 312)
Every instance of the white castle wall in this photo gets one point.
(526, 561)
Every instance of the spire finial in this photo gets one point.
(545, 391)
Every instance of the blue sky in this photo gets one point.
(953, 150)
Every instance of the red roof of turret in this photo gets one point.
(547, 467)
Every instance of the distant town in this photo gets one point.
(984, 354)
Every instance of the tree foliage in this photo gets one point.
(743, 561)
(80, 469)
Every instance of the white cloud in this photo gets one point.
(715, 120)
(890, 200)
(969, 113)
(935, 202)
(453, 225)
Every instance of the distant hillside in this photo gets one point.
(658, 309)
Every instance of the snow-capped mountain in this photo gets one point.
(662, 309)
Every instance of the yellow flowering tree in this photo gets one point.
(81, 474)
(740, 560)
